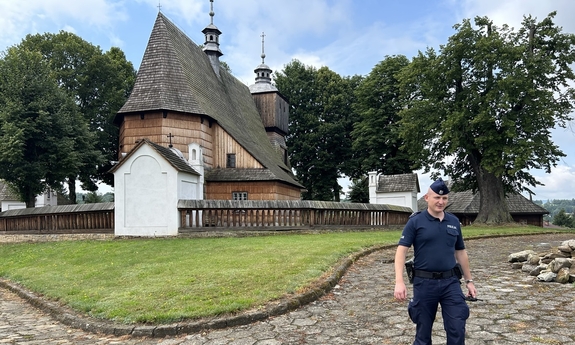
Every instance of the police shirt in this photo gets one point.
(434, 241)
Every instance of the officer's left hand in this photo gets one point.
(471, 290)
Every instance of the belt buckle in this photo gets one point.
(437, 275)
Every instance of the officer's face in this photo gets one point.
(435, 202)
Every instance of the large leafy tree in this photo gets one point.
(481, 109)
(377, 145)
(41, 130)
(321, 118)
(99, 83)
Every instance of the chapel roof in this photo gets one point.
(176, 75)
(172, 155)
(398, 183)
(6, 193)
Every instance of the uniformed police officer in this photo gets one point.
(438, 246)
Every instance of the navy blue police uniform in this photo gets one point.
(435, 280)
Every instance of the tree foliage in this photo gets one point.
(40, 126)
(377, 145)
(481, 109)
(99, 83)
(321, 118)
(359, 190)
(563, 219)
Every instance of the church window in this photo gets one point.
(231, 160)
(239, 195)
(194, 155)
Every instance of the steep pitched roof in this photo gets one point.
(6, 193)
(173, 156)
(176, 75)
(468, 203)
(398, 183)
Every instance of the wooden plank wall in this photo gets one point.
(273, 109)
(257, 190)
(185, 129)
(225, 144)
(77, 222)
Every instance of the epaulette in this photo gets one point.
(414, 214)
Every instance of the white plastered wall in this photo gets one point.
(147, 189)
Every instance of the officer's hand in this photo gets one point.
(471, 290)
(400, 292)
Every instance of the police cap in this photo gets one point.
(439, 187)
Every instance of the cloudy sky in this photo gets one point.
(348, 36)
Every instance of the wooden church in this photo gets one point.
(184, 100)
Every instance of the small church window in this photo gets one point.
(239, 195)
(194, 155)
(231, 160)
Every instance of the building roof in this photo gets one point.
(468, 203)
(6, 193)
(173, 156)
(398, 183)
(176, 75)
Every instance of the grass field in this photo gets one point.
(166, 280)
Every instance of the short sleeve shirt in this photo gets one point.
(434, 242)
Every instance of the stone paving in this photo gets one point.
(514, 309)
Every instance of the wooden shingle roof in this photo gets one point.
(468, 203)
(6, 193)
(398, 183)
(176, 75)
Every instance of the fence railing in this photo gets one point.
(83, 218)
(210, 215)
(286, 214)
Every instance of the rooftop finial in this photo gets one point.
(212, 14)
(263, 54)
(159, 6)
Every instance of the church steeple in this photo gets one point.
(212, 41)
(263, 72)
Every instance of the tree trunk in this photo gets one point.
(30, 199)
(72, 189)
(493, 207)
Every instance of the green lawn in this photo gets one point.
(166, 280)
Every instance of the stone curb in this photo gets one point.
(74, 319)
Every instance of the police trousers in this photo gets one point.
(427, 294)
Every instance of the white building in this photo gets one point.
(400, 190)
(148, 183)
(10, 201)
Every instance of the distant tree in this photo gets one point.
(359, 190)
(321, 118)
(482, 109)
(563, 219)
(93, 198)
(41, 128)
(99, 83)
(377, 145)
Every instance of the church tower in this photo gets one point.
(212, 42)
(272, 106)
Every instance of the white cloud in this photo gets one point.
(19, 18)
(558, 185)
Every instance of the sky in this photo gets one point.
(348, 36)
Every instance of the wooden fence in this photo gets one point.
(85, 218)
(206, 215)
(288, 214)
